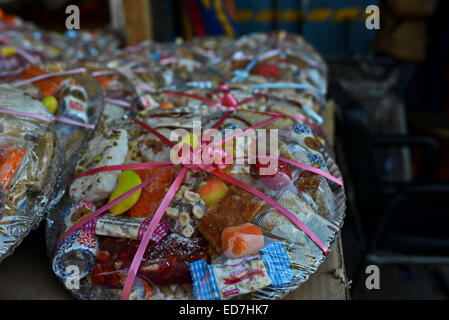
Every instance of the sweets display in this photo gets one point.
(210, 219)
(195, 170)
(47, 113)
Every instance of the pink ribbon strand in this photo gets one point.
(117, 102)
(149, 232)
(74, 122)
(27, 114)
(106, 207)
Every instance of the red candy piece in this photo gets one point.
(280, 179)
(103, 256)
(267, 70)
(163, 263)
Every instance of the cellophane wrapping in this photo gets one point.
(143, 78)
(29, 166)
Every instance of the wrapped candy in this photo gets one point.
(73, 101)
(242, 276)
(80, 249)
(124, 227)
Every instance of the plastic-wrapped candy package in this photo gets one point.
(156, 70)
(279, 64)
(84, 46)
(40, 142)
(131, 76)
(73, 96)
(23, 43)
(16, 52)
(29, 165)
(203, 230)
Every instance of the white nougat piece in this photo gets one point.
(152, 149)
(280, 225)
(103, 150)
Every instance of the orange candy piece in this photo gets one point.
(241, 241)
(47, 87)
(166, 105)
(153, 192)
(212, 191)
(9, 164)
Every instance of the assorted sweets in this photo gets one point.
(28, 165)
(230, 231)
(41, 137)
(215, 240)
(45, 118)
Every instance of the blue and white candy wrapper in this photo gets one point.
(80, 249)
(241, 276)
(73, 102)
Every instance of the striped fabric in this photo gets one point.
(210, 17)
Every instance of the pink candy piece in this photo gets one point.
(278, 182)
(280, 179)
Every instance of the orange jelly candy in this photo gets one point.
(47, 87)
(241, 241)
(104, 81)
(153, 192)
(9, 164)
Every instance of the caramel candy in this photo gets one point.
(235, 208)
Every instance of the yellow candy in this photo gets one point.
(127, 180)
(8, 51)
(51, 103)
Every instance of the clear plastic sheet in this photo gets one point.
(282, 59)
